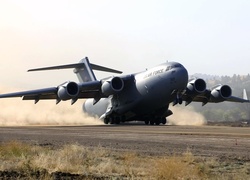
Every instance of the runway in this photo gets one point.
(208, 141)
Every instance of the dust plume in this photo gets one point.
(186, 116)
(16, 112)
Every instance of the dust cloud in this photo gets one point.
(16, 112)
(186, 116)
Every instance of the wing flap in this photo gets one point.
(40, 97)
(82, 95)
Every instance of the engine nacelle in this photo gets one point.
(221, 93)
(196, 86)
(68, 91)
(112, 86)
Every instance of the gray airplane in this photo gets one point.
(143, 96)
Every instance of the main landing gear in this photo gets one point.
(156, 121)
(148, 120)
(114, 120)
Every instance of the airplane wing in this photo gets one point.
(196, 91)
(74, 91)
(88, 87)
(208, 98)
(64, 91)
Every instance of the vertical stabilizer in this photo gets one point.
(85, 73)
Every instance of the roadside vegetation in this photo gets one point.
(23, 161)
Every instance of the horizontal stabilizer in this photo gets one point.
(102, 68)
(68, 66)
(77, 65)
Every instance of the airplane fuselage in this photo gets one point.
(147, 96)
(143, 96)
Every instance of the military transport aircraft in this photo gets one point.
(143, 96)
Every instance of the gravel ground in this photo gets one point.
(211, 141)
(225, 144)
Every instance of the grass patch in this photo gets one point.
(20, 160)
(15, 149)
(178, 167)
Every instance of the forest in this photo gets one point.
(226, 111)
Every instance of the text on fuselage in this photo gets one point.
(154, 73)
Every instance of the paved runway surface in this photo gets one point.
(209, 141)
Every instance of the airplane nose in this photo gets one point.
(185, 74)
(183, 77)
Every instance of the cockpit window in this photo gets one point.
(168, 68)
(177, 65)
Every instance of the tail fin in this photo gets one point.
(83, 69)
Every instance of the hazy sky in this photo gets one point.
(206, 36)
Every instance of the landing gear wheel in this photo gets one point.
(112, 120)
(152, 122)
(106, 120)
(123, 118)
(157, 121)
(146, 122)
(117, 120)
(180, 100)
(163, 120)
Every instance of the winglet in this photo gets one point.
(245, 94)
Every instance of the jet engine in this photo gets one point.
(112, 86)
(221, 93)
(196, 86)
(68, 91)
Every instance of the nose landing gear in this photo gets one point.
(178, 99)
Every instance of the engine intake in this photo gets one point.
(68, 91)
(113, 86)
(196, 86)
(221, 93)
